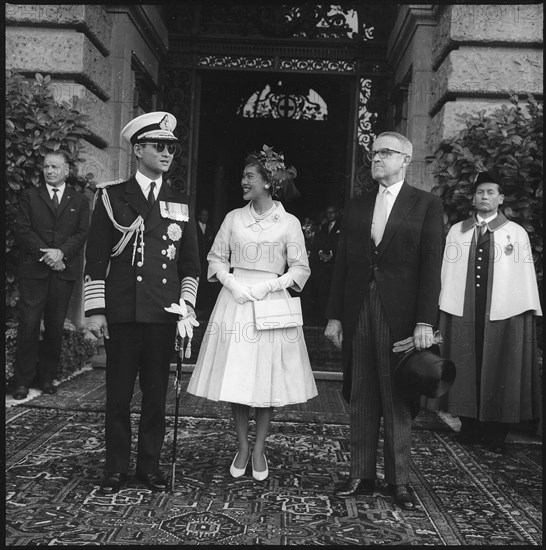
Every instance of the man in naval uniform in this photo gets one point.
(141, 257)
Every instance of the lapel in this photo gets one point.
(67, 197)
(135, 197)
(44, 194)
(402, 205)
(153, 218)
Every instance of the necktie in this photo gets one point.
(55, 198)
(480, 229)
(379, 220)
(151, 196)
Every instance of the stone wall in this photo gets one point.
(481, 54)
(461, 59)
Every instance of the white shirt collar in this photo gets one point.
(61, 189)
(486, 220)
(394, 189)
(145, 181)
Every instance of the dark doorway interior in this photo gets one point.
(318, 149)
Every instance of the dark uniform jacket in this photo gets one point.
(145, 277)
(406, 266)
(39, 225)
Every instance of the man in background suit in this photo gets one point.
(385, 287)
(323, 257)
(206, 292)
(141, 257)
(51, 229)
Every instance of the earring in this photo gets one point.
(266, 186)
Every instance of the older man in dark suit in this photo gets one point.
(51, 228)
(141, 257)
(385, 286)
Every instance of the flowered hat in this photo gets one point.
(279, 175)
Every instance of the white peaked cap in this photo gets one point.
(156, 126)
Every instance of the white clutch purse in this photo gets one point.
(278, 314)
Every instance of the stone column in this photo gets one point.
(409, 54)
(481, 54)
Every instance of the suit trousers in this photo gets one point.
(48, 297)
(145, 349)
(373, 395)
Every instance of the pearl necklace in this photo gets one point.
(259, 217)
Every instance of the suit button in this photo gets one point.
(164, 281)
(477, 285)
(164, 237)
(477, 276)
(164, 266)
(140, 264)
(479, 258)
(139, 249)
(163, 252)
(479, 267)
(376, 252)
(375, 268)
(139, 278)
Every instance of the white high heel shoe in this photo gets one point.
(260, 476)
(238, 472)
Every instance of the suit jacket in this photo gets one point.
(138, 290)
(325, 241)
(39, 225)
(204, 242)
(406, 266)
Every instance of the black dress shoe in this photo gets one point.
(402, 495)
(112, 482)
(20, 392)
(355, 486)
(49, 388)
(155, 481)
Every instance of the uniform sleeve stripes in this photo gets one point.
(94, 295)
(188, 290)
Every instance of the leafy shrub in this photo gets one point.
(507, 143)
(76, 351)
(35, 125)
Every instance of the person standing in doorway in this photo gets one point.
(386, 285)
(141, 257)
(323, 257)
(206, 292)
(51, 229)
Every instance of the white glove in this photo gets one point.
(239, 291)
(260, 290)
(408, 343)
(186, 322)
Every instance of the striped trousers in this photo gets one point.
(373, 395)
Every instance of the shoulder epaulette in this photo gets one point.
(109, 183)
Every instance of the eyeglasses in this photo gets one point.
(383, 153)
(160, 147)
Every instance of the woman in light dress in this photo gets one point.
(237, 363)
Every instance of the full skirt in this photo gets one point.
(239, 364)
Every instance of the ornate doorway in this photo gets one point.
(304, 116)
(224, 55)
